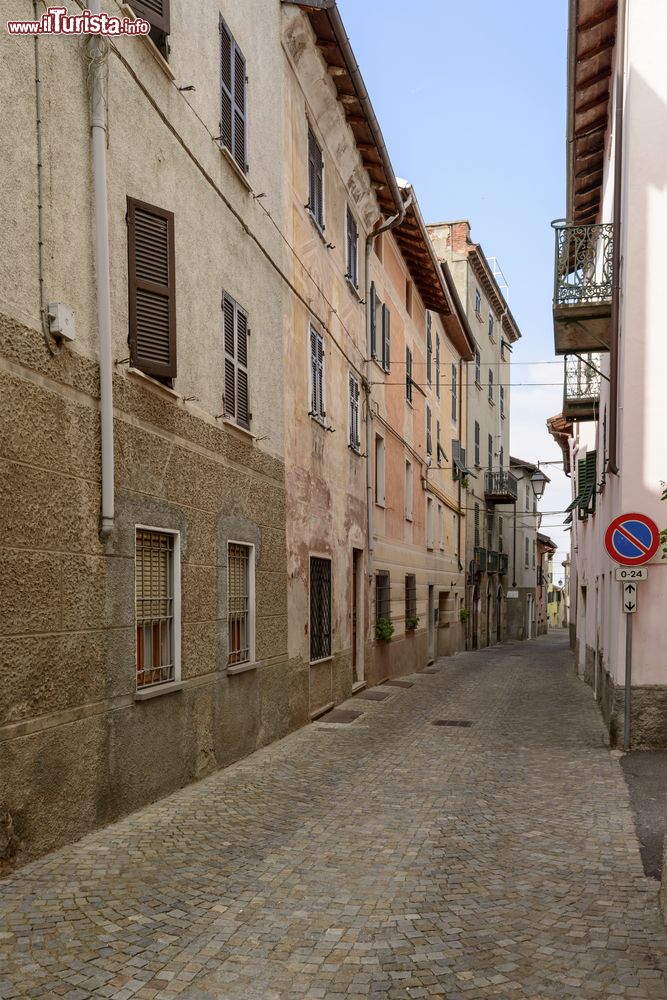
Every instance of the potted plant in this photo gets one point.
(463, 615)
(411, 623)
(383, 629)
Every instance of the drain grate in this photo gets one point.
(461, 723)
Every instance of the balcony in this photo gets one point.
(492, 561)
(503, 563)
(480, 558)
(582, 287)
(581, 390)
(500, 487)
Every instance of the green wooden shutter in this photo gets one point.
(373, 319)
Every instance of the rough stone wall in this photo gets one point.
(76, 749)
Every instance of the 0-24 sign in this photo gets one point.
(628, 574)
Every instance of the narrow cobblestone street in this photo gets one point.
(387, 858)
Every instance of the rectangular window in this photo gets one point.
(454, 395)
(354, 439)
(156, 12)
(478, 303)
(386, 338)
(315, 180)
(501, 390)
(320, 608)
(157, 606)
(352, 247)
(382, 596)
(478, 369)
(379, 471)
(235, 323)
(501, 459)
(527, 554)
(152, 289)
(408, 491)
(490, 452)
(240, 604)
(501, 542)
(429, 523)
(533, 555)
(375, 318)
(491, 325)
(477, 455)
(441, 527)
(429, 436)
(438, 446)
(489, 531)
(408, 374)
(317, 357)
(437, 365)
(477, 526)
(429, 349)
(411, 596)
(408, 296)
(233, 114)
(491, 385)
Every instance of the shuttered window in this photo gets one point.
(476, 525)
(455, 401)
(491, 385)
(156, 12)
(478, 368)
(477, 455)
(437, 365)
(235, 325)
(373, 319)
(386, 338)
(152, 297)
(353, 388)
(317, 409)
(315, 180)
(352, 247)
(233, 110)
(429, 349)
(586, 485)
(408, 374)
(429, 434)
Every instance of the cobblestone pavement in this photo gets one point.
(388, 858)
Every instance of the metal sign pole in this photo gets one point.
(628, 680)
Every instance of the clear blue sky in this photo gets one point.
(471, 101)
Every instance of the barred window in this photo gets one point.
(155, 574)
(429, 523)
(240, 625)
(354, 439)
(411, 596)
(382, 596)
(320, 608)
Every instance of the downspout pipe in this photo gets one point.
(391, 223)
(612, 464)
(98, 55)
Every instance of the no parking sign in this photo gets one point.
(632, 539)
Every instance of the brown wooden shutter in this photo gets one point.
(226, 75)
(242, 401)
(239, 108)
(156, 12)
(152, 298)
(230, 357)
(235, 322)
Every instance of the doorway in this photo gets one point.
(499, 615)
(488, 614)
(476, 602)
(431, 622)
(357, 616)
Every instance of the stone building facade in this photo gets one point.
(522, 521)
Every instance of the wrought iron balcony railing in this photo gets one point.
(503, 563)
(581, 388)
(500, 487)
(583, 277)
(492, 561)
(480, 558)
(583, 272)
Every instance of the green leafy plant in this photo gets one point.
(411, 622)
(463, 615)
(383, 629)
(464, 483)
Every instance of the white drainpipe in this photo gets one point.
(98, 55)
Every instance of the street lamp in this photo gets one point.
(538, 481)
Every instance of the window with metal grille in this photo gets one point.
(152, 289)
(317, 356)
(437, 365)
(491, 385)
(429, 349)
(477, 456)
(476, 525)
(429, 434)
(155, 586)
(411, 596)
(236, 400)
(156, 12)
(352, 248)
(382, 596)
(408, 374)
(315, 180)
(320, 608)
(454, 395)
(233, 112)
(239, 624)
(354, 437)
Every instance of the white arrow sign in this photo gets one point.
(629, 598)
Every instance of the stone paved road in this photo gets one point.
(389, 858)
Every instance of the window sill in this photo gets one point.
(321, 421)
(478, 384)
(325, 659)
(355, 450)
(380, 505)
(235, 167)
(409, 517)
(491, 403)
(150, 45)
(410, 403)
(237, 427)
(354, 289)
(242, 668)
(319, 228)
(146, 694)
(138, 374)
